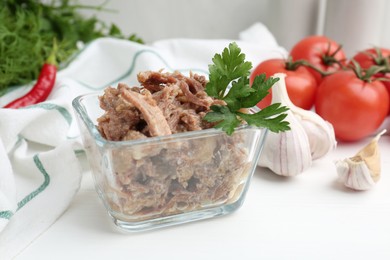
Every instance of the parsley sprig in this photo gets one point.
(231, 69)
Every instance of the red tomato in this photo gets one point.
(301, 85)
(354, 107)
(371, 57)
(321, 52)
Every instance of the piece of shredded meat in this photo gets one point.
(161, 180)
(152, 114)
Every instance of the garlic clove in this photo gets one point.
(361, 171)
(286, 153)
(321, 134)
(371, 156)
(354, 175)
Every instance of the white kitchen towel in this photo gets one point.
(39, 144)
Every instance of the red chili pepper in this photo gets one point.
(42, 87)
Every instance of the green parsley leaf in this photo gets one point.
(238, 92)
(261, 86)
(270, 117)
(231, 69)
(226, 67)
(227, 120)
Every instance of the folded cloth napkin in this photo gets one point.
(39, 144)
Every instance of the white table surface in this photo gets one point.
(311, 216)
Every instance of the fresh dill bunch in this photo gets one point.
(27, 31)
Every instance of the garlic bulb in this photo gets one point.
(320, 132)
(286, 153)
(361, 171)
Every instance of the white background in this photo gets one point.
(357, 24)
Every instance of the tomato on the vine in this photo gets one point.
(301, 85)
(375, 57)
(355, 107)
(372, 56)
(321, 52)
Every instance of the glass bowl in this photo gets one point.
(168, 180)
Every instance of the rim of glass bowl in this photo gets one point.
(91, 127)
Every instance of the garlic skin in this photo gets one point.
(286, 153)
(362, 171)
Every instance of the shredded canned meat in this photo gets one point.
(172, 177)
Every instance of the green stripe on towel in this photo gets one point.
(8, 214)
(49, 106)
(132, 67)
(41, 188)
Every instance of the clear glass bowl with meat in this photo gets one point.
(148, 177)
